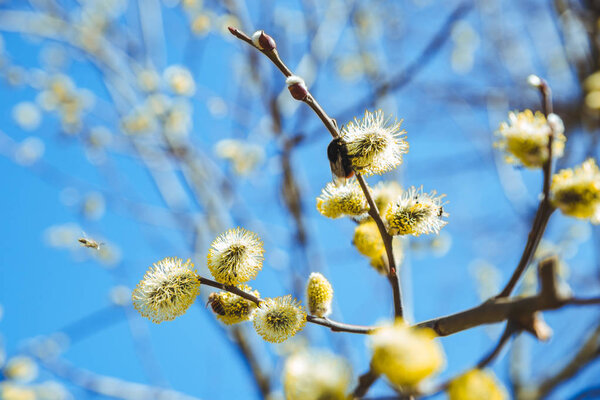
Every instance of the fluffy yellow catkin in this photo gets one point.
(277, 319)
(475, 385)
(316, 375)
(168, 289)
(416, 213)
(319, 294)
(375, 144)
(525, 138)
(231, 308)
(576, 191)
(235, 257)
(347, 199)
(405, 355)
(368, 242)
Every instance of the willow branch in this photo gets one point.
(501, 309)
(485, 361)
(588, 352)
(365, 381)
(262, 380)
(333, 325)
(545, 209)
(331, 126)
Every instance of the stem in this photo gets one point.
(545, 209)
(387, 241)
(231, 289)
(365, 381)
(540, 221)
(331, 126)
(333, 325)
(339, 326)
(508, 332)
(506, 335)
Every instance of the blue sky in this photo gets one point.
(45, 289)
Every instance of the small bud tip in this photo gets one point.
(297, 87)
(263, 41)
(534, 81)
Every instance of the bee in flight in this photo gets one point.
(339, 160)
(89, 243)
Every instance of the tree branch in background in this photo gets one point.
(587, 353)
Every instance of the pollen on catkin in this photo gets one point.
(346, 199)
(405, 355)
(316, 375)
(525, 138)
(279, 318)
(368, 242)
(235, 256)
(319, 295)
(576, 191)
(231, 308)
(416, 213)
(168, 289)
(476, 384)
(375, 144)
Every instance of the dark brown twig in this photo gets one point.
(365, 381)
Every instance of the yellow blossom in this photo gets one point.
(278, 319)
(525, 138)
(231, 308)
(577, 191)
(368, 242)
(375, 144)
(405, 355)
(168, 289)
(20, 368)
(10, 391)
(316, 375)
(415, 213)
(337, 201)
(475, 385)
(319, 294)
(235, 257)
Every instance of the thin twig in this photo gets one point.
(331, 126)
(333, 325)
(588, 352)
(485, 361)
(545, 209)
(508, 332)
(365, 381)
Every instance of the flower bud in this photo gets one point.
(297, 87)
(319, 295)
(263, 41)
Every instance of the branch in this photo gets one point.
(545, 209)
(500, 309)
(331, 126)
(485, 361)
(262, 380)
(333, 325)
(365, 381)
(588, 352)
